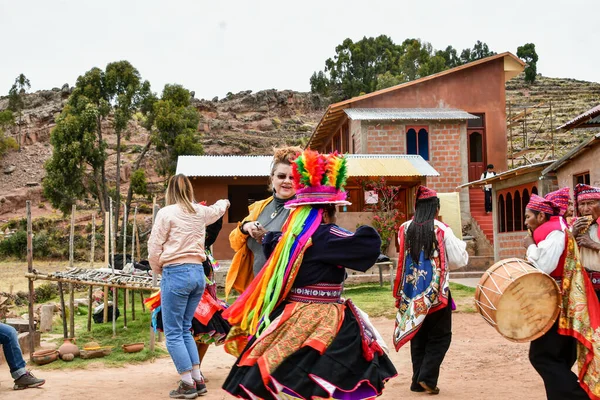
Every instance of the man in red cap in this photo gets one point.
(586, 232)
(428, 249)
(553, 354)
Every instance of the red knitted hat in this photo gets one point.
(537, 203)
(560, 198)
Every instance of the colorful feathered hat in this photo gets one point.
(319, 179)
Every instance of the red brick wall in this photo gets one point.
(510, 245)
(444, 156)
(386, 139)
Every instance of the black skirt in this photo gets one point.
(342, 365)
(215, 332)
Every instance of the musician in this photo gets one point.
(586, 232)
(552, 355)
(428, 249)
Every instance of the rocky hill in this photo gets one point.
(253, 123)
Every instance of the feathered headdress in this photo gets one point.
(319, 179)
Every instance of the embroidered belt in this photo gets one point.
(595, 278)
(317, 293)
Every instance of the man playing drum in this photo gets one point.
(586, 232)
(554, 353)
(428, 249)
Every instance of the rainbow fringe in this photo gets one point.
(268, 289)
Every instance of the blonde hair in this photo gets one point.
(181, 192)
(282, 155)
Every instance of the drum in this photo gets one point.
(518, 300)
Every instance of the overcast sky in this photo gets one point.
(215, 47)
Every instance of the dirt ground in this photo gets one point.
(479, 365)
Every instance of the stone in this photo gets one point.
(24, 341)
(31, 184)
(10, 169)
(46, 317)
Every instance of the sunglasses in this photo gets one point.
(283, 176)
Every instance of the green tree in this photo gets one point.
(480, 50)
(16, 100)
(6, 143)
(387, 80)
(78, 163)
(175, 130)
(528, 54)
(319, 83)
(139, 184)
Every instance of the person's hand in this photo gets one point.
(581, 224)
(528, 241)
(228, 203)
(255, 229)
(585, 241)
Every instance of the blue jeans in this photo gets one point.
(12, 350)
(181, 289)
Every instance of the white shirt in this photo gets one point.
(546, 254)
(487, 175)
(590, 259)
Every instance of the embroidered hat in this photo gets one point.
(423, 192)
(319, 179)
(585, 192)
(537, 203)
(560, 198)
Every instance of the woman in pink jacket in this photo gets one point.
(176, 250)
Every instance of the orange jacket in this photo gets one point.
(240, 272)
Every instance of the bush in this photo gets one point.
(15, 245)
(45, 292)
(139, 183)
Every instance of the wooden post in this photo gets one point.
(63, 313)
(89, 321)
(30, 270)
(125, 305)
(124, 234)
(137, 237)
(106, 237)
(93, 240)
(133, 232)
(72, 308)
(72, 236)
(112, 262)
(142, 299)
(105, 295)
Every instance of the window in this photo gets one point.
(337, 142)
(581, 178)
(524, 202)
(510, 220)
(476, 123)
(518, 211)
(417, 141)
(345, 139)
(501, 214)
(511, 207)
(241, 196)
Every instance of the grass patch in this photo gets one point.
(137, 331)
(378, 301)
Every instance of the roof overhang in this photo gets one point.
(576, 152)
(359, 165)
(407, 114)
(334, 114)
(589, 119)
(522, 170)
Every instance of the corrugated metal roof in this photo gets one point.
(588, 118)
(572, 154)
(358, 165)
(440, 114)
(523, 169)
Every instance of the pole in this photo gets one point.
(124, 234)
(30, 270)
(133, 231)
(552, 129)
(112, 261)
(93, 241)
(106, 237)
(72, 236)
(71, 259)
(125, 304)
(512, 150)
(89, 321)
(72, 308)
(63, 313)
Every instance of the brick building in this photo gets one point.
(455, 119)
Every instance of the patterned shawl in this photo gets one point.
(580, 318)
(420, 288)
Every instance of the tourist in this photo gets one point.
(307, 342)
(487, 189)
(265, 215)
(428, 250)
(176, 250)
(12, 353)
(553, 354)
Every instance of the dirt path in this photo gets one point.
(479, 365)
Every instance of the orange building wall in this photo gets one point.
(480, 89)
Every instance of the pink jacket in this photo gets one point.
(178, 237)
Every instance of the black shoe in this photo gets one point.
(27, 380)
(382, 258)
(429, 389)
(416, 388)
(184, 391)
(201, 386)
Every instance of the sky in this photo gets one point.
(215, 47)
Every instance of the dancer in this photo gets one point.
(265, 215)
(552, 249)
(428, 250)
(176, 249)
(307, 342)
(587, 232)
